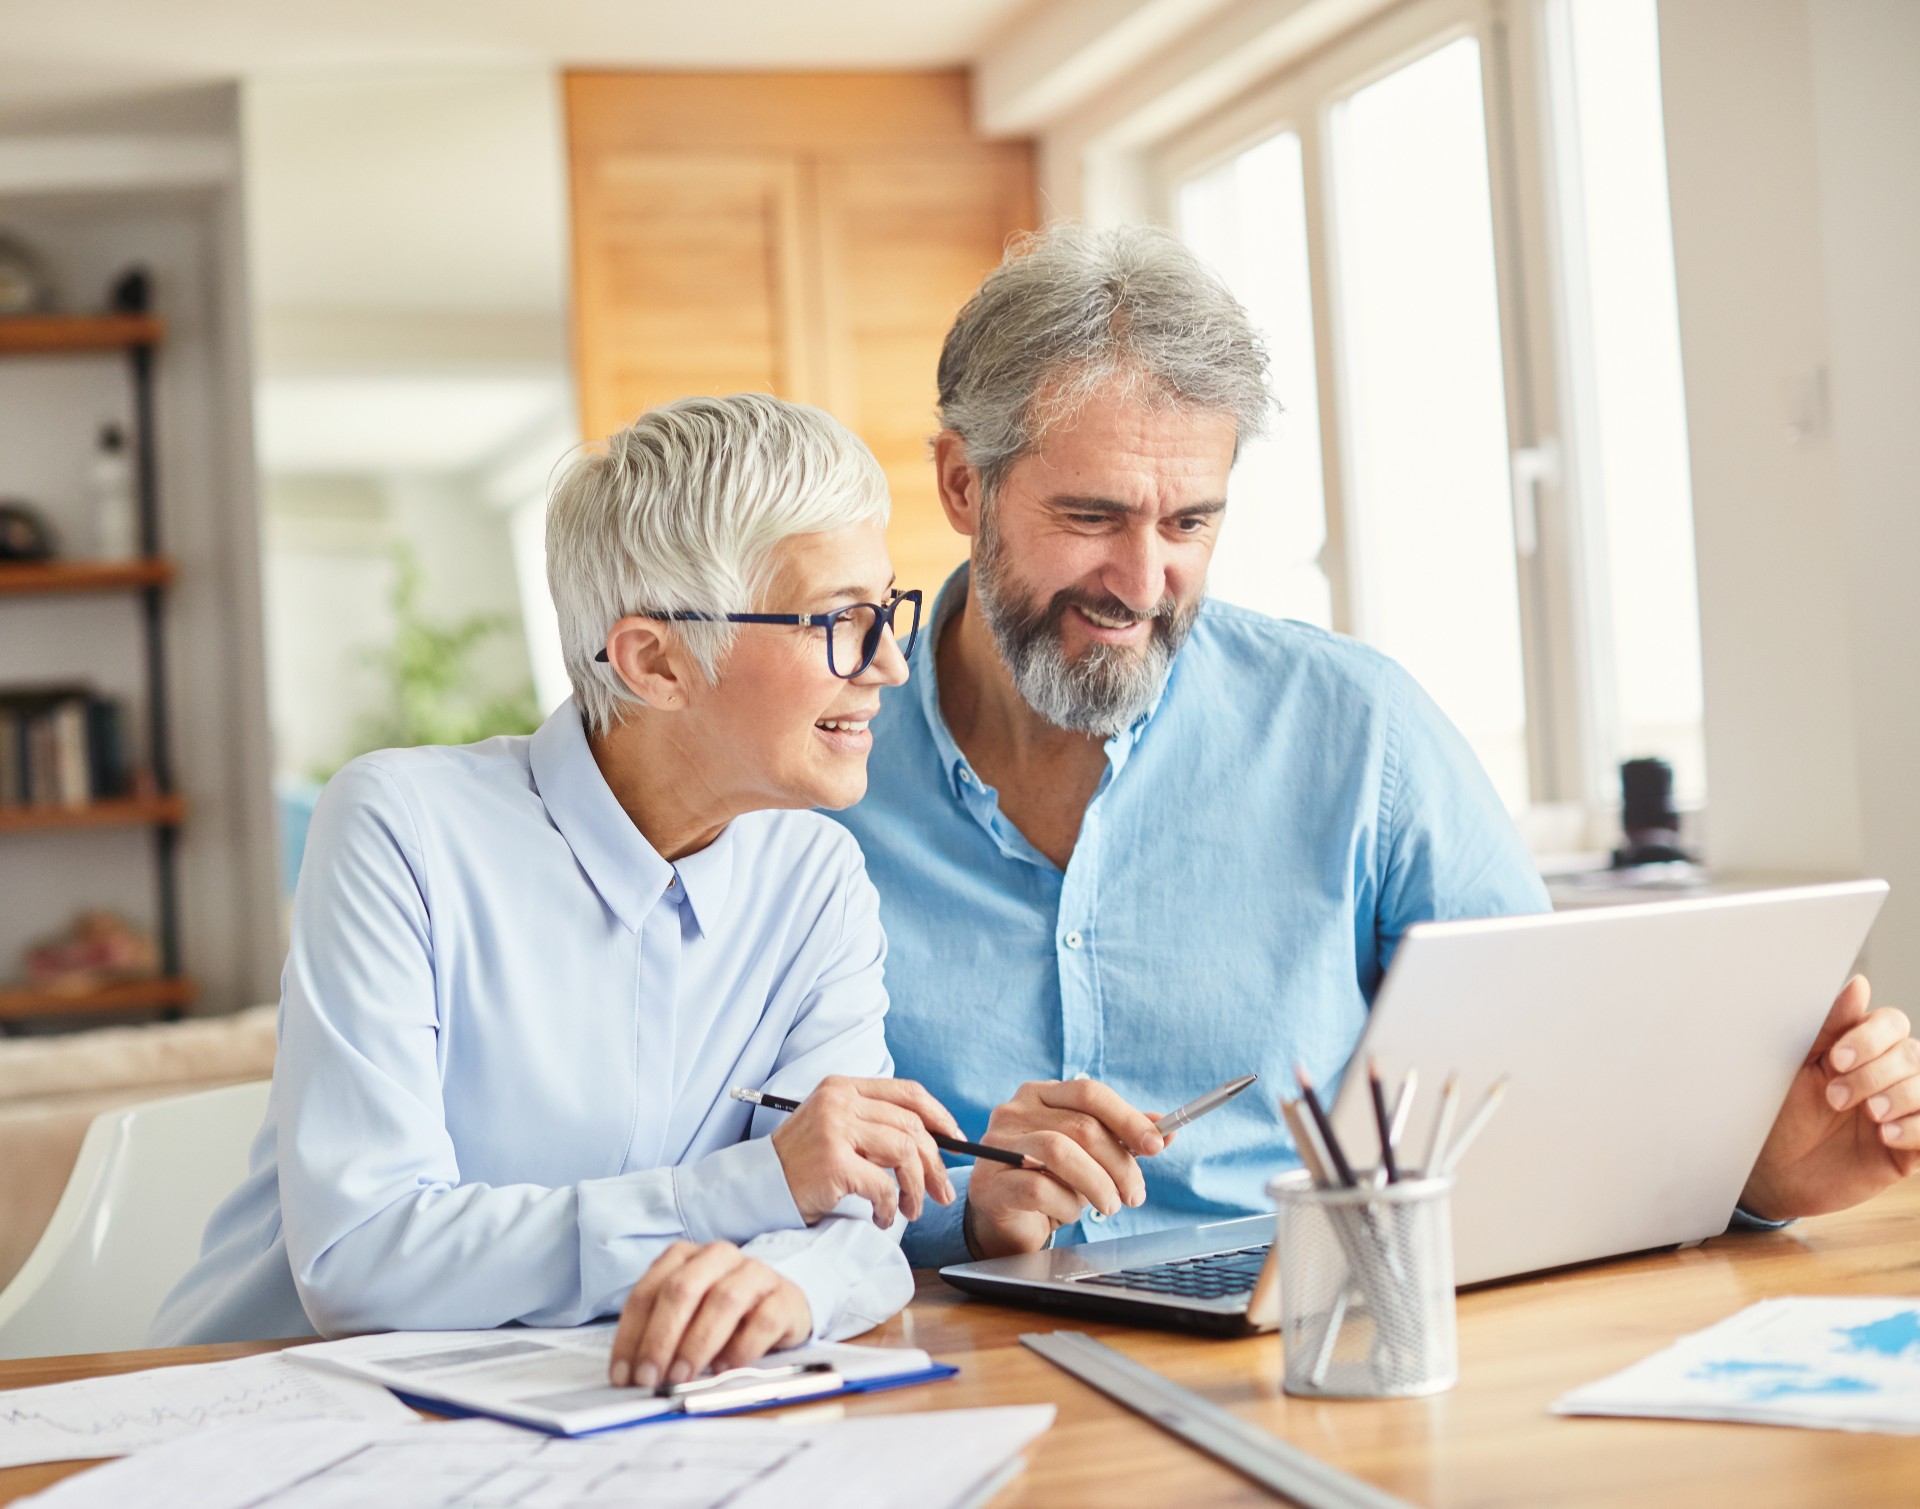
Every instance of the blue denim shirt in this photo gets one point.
(1257, 846)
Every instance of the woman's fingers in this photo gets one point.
(912, 1096)
(623, 1356)
(933, 1169)
(764, 1328)
(675, 1302)
(888, 1147)
(730, 1296)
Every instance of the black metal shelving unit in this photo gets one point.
(156, 806)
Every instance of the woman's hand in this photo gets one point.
(701, 1306)
(857, 1137)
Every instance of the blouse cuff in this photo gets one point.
(736, 1194)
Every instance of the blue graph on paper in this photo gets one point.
(1851, 1363)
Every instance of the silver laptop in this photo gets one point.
(1650, 1047)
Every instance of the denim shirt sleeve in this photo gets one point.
(1447, 847)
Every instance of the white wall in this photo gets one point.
(1782, 790)
(409, 232)
(1866, 86)
(1793, 141)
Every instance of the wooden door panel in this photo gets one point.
(808, 235)
(688, 274)
(906, 236)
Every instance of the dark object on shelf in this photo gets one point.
(132, 292)
(1647, 817)
(25, 534)
(24, 288)
(63, 746)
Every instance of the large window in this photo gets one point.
(1466, 279)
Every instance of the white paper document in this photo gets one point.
(109, 1417)
(1833, 1364)
(553, 1380)
(942, 1460)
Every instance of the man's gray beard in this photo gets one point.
(1110, 687)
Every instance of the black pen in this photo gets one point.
(1334, 1151)
(950, 1144)
(1382, 1120)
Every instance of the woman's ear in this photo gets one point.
(651, 661)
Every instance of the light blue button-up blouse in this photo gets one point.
(1256, 847)
(507, 1032)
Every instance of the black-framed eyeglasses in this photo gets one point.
(853, 632)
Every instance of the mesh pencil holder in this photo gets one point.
(1366, 1288)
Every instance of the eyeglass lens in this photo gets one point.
(854, 638)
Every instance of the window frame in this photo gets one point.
(1572, 800)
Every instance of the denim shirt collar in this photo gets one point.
(628, 872)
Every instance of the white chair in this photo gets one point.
(128, 1226)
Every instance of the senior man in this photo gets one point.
(1130, 843)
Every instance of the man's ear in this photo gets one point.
(959, 482)
(651, 661)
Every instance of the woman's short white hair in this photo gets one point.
(682, 510)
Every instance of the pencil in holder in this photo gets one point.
(1366, 1288)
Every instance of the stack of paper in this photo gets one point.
(109, 1417)
(1833, 1364)
(556, 1380)
(943, 1460)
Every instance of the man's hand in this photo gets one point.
(860, 1136)
(1088, 1137)
(701, 1305)
(1851, 1122)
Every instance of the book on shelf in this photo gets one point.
(63, 746)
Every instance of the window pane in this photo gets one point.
(1247, 218)
(1425, 410)
(1639, 439)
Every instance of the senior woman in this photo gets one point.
(524, 974)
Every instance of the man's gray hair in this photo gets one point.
(1069, 310)
(682, 510)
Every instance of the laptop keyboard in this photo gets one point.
(1218, 1275)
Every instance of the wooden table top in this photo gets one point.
(1488, 1442)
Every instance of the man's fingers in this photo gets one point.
(1868, 1039)
(1849, 1007)
(1899, 1099)
(726, 1303)
(674, 1306)
(1898, 1062)
(1130, 1127)
(1073, 1166)
(622, 1356)
(996, 1187)
(1903, 1134)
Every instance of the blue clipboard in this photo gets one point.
(932, 1374)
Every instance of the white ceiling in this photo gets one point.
(400, 425)
(63, 50)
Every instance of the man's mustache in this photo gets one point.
(1163, 612)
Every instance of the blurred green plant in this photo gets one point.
(430, 676)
